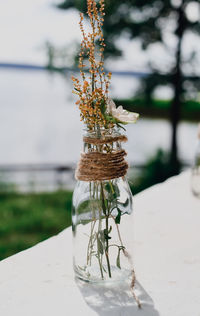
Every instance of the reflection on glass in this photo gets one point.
(196, 170)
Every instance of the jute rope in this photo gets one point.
(104, 140)
(99, 166)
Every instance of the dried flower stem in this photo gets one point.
(93, 90)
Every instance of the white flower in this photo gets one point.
(121, 115)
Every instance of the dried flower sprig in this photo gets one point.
(97, 109)
(94, 88)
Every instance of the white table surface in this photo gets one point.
(40, 281)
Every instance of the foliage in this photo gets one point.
(148, 22)
(156, 170)
(190, 110)
(26, 219)
(151, 23)
(100, 115)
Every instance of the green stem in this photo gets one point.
(93, 222)
(118, 231)
(115, 245)
(111, 185)
(119, 235)
(90, 244)
(99, 229)
(100, 266)
(107, 249)
(106, 213)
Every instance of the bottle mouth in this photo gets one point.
(87, 129)
(101, 131)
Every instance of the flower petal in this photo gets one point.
(120, 114)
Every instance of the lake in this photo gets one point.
(39, 122)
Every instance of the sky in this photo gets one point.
(27, 24)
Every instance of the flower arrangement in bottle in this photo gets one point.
(102, 200)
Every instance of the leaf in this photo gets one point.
(115, 190)
(83, 207)
(114, 195)
(110, 229)
(118, 260)
(106, 203)
(112, 190)
(106, 234)
(118, 217)
(103, 201)
(99, 246)
(102, 238)
(103, 106)
(108, 187)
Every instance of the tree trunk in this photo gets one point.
(175, 110)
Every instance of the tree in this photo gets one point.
(148, 22)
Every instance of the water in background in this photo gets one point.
(39, 122)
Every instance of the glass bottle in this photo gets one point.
(196, 169)
(102, 224)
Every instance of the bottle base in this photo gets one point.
(93, 275)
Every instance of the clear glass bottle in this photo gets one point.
(102, 224)
(196, 169)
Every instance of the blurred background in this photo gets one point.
(153, 50)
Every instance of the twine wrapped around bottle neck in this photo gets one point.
(100, 165)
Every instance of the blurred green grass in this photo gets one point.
(26, 219)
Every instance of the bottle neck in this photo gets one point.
(104, 140)
(102, 133)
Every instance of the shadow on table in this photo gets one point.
(116, 299)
